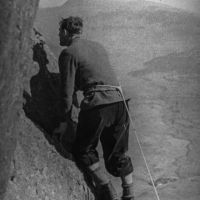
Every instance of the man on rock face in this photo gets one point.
(84, 66)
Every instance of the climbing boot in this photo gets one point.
(107, 192)
(128, 192)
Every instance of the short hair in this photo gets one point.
(73, 25)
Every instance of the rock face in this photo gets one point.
(32, 165)
(15, 24)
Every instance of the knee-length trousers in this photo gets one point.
(110, 125)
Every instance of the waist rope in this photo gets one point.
(119, 88)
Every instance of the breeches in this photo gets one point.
(110, 125)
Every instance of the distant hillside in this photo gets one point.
(121, 26)
(47, 20)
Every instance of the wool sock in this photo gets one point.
(127, 180)
(100, 178)
(127, 186)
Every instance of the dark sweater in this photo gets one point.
(82, 65)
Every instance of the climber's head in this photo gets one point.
(70, 28)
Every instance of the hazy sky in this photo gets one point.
(191, 5)
(51, 3)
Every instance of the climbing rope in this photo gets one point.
(118, 88)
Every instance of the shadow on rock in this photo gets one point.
(42, 106)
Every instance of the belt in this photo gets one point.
(98, 88)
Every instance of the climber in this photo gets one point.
(84, 66)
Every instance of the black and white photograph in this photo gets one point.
(100, 99)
